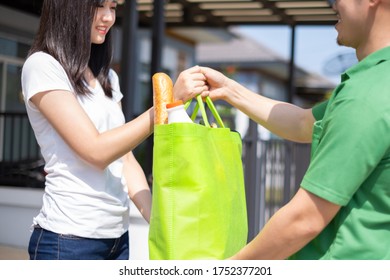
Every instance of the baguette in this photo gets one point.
(162, 95)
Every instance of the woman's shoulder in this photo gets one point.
(41, 57)
(42, 62)
(42, 72)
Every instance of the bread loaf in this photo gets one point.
(162, 95)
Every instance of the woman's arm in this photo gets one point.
(137, 185)
(65, 114)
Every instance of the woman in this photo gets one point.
(73, 103)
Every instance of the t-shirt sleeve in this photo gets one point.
(116, 91)
(41, 72)
(353, 138)
(319, 110)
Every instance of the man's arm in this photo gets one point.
(283, 119)
(291, 228)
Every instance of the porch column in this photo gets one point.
(129, 63)
(158, 36)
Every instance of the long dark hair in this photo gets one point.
(65, 33)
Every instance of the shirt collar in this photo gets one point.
(369, 61)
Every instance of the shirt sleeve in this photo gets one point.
(319, 110)
(41, 72)
(353, 139)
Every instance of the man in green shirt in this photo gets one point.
(342, 209)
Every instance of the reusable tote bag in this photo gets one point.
(198, 201)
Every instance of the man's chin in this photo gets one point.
(341, 42)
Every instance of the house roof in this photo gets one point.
(239, 49)
(247, 54)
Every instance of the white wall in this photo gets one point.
(18, 206)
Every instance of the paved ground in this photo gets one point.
(11, 253)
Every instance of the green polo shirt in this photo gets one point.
(350, 164)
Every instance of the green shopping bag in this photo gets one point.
(198, 203)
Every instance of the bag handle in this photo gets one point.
(200, 105)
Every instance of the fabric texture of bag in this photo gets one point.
(198, 207)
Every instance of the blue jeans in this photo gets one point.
(47, 245)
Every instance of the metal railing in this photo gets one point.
(273, 170)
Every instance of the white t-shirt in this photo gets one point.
(79, 199)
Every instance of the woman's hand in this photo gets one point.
(189, 84)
